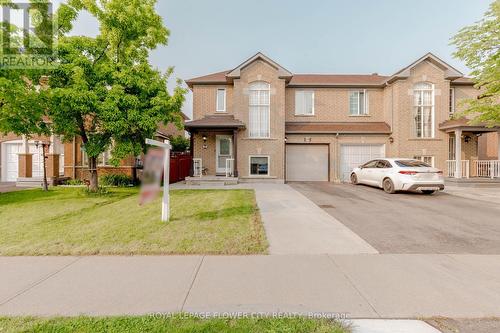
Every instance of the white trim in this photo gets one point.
(416, 106)
(217, 100)
(260, 105)
(303, 91)
(250, 165)
(366, 101)
(218, 168)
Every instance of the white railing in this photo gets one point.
(229, 167)
(451, 166)
(485, 168)
(197, 167)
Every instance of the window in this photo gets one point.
(452, 101)
(358, 103)
(259, 101)
(304, 103)
(221, 100)
(102, 160)
(383, 164)
(423, 114)
(259, 165)
(426, 159)
(370, 164)
(451, 148)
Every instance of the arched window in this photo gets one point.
(259, 113)
(423, 110)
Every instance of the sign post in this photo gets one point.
(165, 203)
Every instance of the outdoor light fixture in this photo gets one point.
(204, 138)
(43, 145)
(467, 138)
(391, 139)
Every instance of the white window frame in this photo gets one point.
(423, 157)
(302, 112)
(452, 101)
(366, 103)
(105, 156)
(432, 106)
(250, 165)
(217, 100)
(259, 105)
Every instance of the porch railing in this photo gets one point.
(486, 168)
(197, 167)
(229, 167)
(451, 167)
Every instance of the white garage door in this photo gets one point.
(352, 156)
(37, 160)
(10, 161)
(307, 162)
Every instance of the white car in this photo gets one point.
(399, 174)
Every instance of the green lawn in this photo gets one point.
(67, 221)
(175, 324)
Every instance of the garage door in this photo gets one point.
(307, 162)
(352, 156)
(10, 161)
(37, 158)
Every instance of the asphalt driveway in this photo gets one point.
(410, 222)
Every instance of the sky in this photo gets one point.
(313, 36)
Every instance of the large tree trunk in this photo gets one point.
(94, 185)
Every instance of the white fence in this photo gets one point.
(451, 167)
(229, 167)
(484, 168)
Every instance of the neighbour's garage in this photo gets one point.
(10, 160)
(353, 155)
(307, 162)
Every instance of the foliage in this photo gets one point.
(178, 323)
(73, 182)
(115, 180)
(100, 191)
(179, 143)
(479, 46)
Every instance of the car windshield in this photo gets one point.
(412, 164)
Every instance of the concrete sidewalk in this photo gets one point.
(359, 286)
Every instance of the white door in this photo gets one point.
(11, 161)
(37, 161)
(307, 162)
(352, 156)
(224, 150)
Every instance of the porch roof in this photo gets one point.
(215, 122)
(338, 127)
(466, 125)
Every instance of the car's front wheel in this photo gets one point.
(354, 179)
(428, 191)
(388, 186)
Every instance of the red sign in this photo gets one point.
(154, 162)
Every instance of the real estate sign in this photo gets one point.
(152, 172)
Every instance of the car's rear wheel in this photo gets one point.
(388, 186)
(428, 191)
(354, 179)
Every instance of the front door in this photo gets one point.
(224, 150)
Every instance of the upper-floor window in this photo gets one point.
(221, 100)
(259, 110)
(423, 110)
(358, 103)
(304, 102)
(452, 100)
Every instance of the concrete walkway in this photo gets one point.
(488, 194)
(358, 286)
(295, 225)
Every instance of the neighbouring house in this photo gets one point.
(21, 159)
(260, 121)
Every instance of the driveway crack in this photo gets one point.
(36, 283)
(354, 286)
(192, 283)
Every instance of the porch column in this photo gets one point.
(25, 160)
(191, 152)
(235, 152)
(458, 153)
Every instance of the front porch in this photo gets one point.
(464, 145)
(214, 149)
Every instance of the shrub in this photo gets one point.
(115, 180)
(73, 182)
(179, 143)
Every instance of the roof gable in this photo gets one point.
(450, 72)
(282, 72)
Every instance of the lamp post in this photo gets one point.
(42, 144)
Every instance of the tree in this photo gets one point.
(179, 143)
(479, 46)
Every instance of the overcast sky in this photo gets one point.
(314, 36)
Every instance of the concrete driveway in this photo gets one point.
(410, 222)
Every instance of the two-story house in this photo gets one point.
(260, 121)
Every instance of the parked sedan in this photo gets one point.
(399, 174)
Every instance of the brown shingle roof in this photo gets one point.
(215, 121)
(463, 80)
(214, 78)
(337, 127)
(336, 79)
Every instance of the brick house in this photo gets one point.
(21, 160)
(260, 121)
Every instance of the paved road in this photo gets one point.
(359, 286)
(410, 222)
